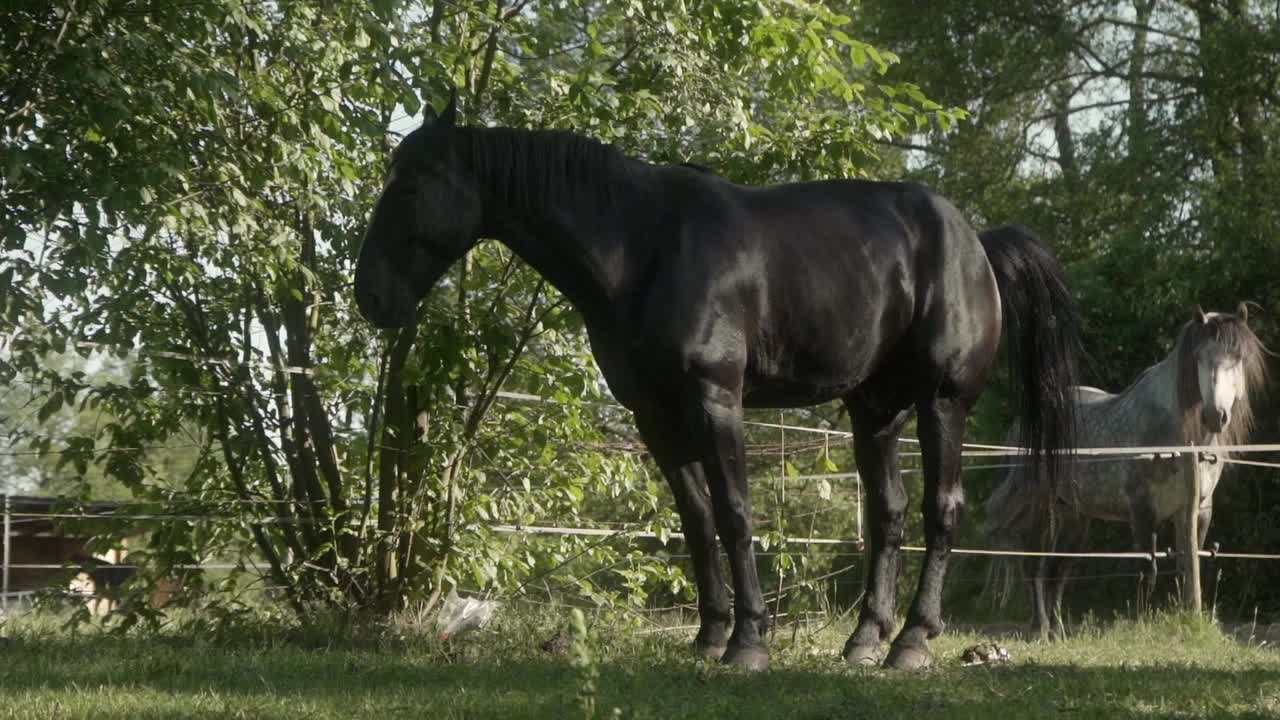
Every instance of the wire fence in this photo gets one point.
(855, 545)
(203, 509)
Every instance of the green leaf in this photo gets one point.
(411, 103)
(858, 54)
(49, 408)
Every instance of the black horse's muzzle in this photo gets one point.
(381, 300)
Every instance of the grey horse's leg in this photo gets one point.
(1188, 555)
(1036, 570)
(1071, 535)
(1142, 522)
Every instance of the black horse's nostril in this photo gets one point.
(1222, 418)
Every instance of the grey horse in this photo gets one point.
(1198, 395)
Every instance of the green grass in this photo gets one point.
(1167, 666)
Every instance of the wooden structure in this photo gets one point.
(46, 543)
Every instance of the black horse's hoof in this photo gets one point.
(862, 654)
(709, 650)
(908, 657)
(747, 657)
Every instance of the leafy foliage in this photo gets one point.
(185, 188)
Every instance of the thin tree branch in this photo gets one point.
(1148, 28)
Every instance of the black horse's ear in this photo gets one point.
(1199, 315)
(429, 116)
(449, 115)
(1242, 312)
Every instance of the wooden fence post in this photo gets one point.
(8, 528)
(1191, 541)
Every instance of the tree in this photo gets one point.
(186, 188)
(1138, 137)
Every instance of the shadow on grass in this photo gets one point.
(169, 678)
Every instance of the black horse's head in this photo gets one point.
(427, 217)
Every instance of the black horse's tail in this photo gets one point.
(1044, 349)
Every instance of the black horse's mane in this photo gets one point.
(530, 169)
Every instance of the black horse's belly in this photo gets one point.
(778, 393)
(809, 349)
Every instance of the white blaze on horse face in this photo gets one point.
(1222, 381)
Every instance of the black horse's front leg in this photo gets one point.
(718, 426)
(681, 465)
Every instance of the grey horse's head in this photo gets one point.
(1220, 362)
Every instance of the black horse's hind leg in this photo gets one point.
(941, 429)
(718, 428)
(684, 474)
(875, 439)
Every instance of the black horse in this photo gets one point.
(702, 297)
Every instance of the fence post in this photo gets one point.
(1191, 540)
(8, 527)
(781, 500)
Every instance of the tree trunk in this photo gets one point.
(392, 452)
(1138, 128)
(1062, 133)
(1220, 121)
(1253, 143)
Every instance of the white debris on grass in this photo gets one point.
(459, 614)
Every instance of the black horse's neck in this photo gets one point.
(560, 201)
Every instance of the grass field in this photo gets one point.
(1167, 666)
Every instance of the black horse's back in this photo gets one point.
(828, 281)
